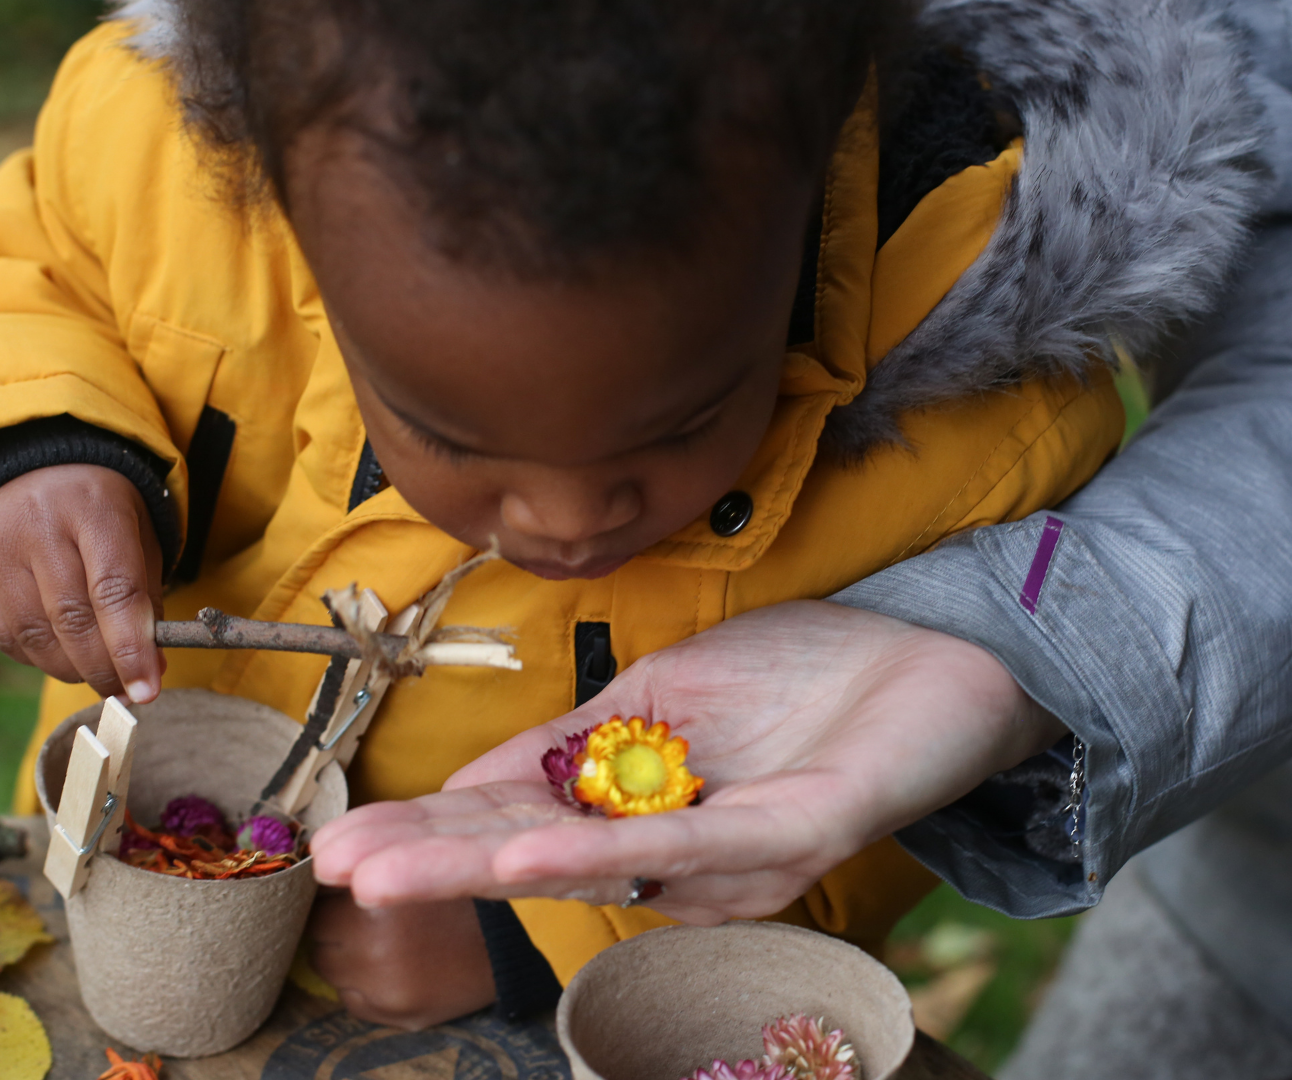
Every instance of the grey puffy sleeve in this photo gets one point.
(1152, 613)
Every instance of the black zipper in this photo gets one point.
(367, 478)
(208, 456)
(594, 663)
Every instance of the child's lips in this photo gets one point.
(553, 570)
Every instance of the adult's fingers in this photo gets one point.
(451, 867)
(499, 809)
(769, 832)
(442, 809)
(125, 596)
(447, 867)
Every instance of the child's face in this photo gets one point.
(580, 423)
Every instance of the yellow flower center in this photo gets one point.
(640, 770)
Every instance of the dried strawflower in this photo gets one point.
(266, 834)
(561, 766)
(803, 1047)
(743, 1070)
(148, 1068)
(634, 768)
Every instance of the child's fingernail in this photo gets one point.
(140, 691)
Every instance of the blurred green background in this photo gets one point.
(34, 34)
(975, 975)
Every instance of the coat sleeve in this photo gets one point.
(1160, 632)
(63, 346)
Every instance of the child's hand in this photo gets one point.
(80, 579)
(411, 966)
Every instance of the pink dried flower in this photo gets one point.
(267, 834)
(744, 1070)
(561, 766)
(190, 814)
(802, 1046)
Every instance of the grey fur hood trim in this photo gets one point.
(1138, 178)
(1139, 174)
(158, 34)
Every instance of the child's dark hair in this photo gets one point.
(535, 133)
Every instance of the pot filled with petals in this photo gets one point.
(744, 1001)
(183, 937)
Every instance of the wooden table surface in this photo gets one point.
(310, 1038)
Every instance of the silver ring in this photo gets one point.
(643, 889)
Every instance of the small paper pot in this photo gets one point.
(188, 968)
(662, 1004)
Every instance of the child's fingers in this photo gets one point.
(28, 636)
(70, 619)
(124, 594)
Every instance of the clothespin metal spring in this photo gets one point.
(109, 808)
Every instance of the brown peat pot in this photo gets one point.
(662, 1004)
(188, 968)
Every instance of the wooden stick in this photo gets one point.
(214, 629)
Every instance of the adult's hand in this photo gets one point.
(818, 729)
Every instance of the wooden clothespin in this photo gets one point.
(350, 713)
(93, 804)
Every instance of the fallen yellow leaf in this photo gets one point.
(309, 980)
(20, 926)
(24, 1046)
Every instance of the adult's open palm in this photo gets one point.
(818, 729)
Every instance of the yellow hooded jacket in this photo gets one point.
(132, 299)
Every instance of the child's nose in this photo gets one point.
(570, 512)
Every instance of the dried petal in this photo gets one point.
(744, 1070)
(561, 767)
(802, 1046)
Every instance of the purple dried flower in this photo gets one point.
(744, 1070)
(189, 814)
(266, 834)
(561, 766)
(133, 841)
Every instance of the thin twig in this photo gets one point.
(213, 629)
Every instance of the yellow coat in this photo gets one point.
(130, 297)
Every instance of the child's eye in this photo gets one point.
(687, 440)
(452, 452)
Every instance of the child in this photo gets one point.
(315, 292)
